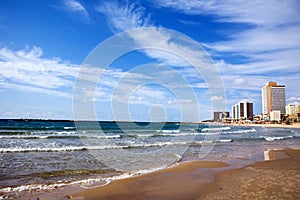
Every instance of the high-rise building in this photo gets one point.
(242, 110)
(273, 98)
(219, 116)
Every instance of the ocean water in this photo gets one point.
(39, 155)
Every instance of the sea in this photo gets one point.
(37, 156)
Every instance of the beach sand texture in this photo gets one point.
(273, 179)
(179, 182)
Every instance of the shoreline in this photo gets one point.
(296, 125)
(246, 145)
(207, 180)
(166, 183)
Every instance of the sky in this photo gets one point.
(45, 45)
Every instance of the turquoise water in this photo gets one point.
(43, 154)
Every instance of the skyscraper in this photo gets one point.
(273, 98)
(242, 110)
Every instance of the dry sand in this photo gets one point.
(295, 125)
(274, 179)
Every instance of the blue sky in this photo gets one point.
(44, 43)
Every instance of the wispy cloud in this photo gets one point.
(169, 49)
(269, 13)
(74, 6)
(124, 16)
(27, 70)
(274, 30)
(266, 46)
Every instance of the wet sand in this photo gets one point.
(180, 182)
(272, 179)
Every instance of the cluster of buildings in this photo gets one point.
(274, 108)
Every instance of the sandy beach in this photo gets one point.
(274, 179)
(277, 178)
(179, 182)
(295, 125)
(71, 171)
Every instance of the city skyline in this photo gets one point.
(44, 43)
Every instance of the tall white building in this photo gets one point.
(242, 110)
(291, 109)
(273, 98)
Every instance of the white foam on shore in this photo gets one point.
(142, 135)
(224, 140)
(168, 131)
(58, 135)
(82, 148)
(24, 137)
(84, 183)
(69, 127)
(163, 133)
(142, 172)
(188, 134)
(273, 138)
(101, 136)
(46, 186)
(240, 131)
(216, 129)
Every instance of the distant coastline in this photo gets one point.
(294, 125)
(72, 120)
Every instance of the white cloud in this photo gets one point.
(27, 70)
(75, 6)
(27, 88)
(124, 16)
(272, 37)
(216, 98)
(148, 96)
(275, 23)
(239, 81)
(170, 49)
(268, 41)
(256, 12)
(294, 100)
